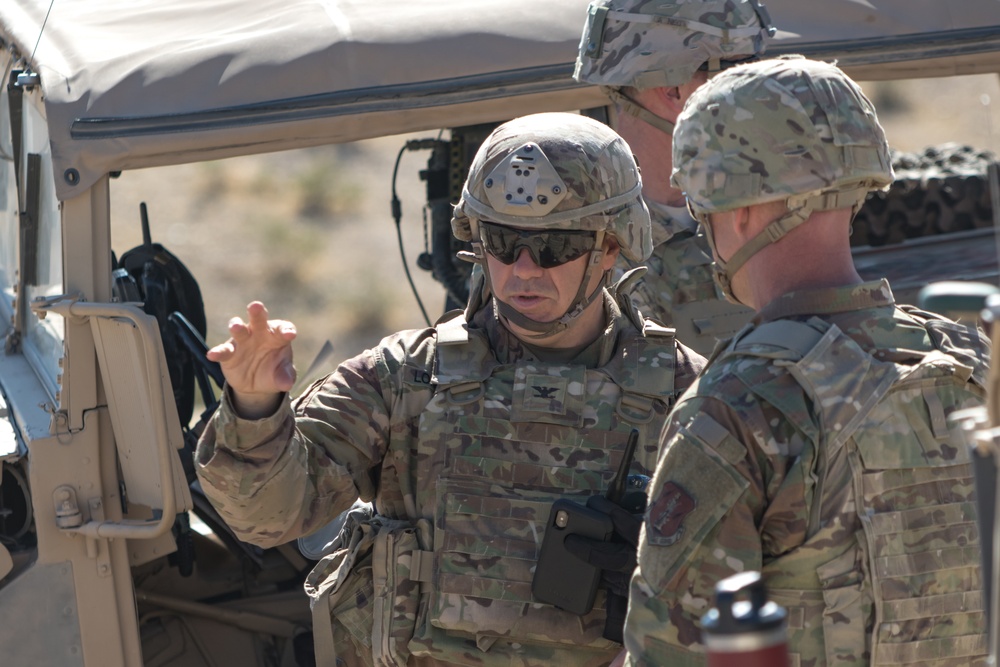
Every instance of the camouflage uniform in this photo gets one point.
(463, 436)
(815, 447)
(756, 476)
(645, 44)
(363, 432)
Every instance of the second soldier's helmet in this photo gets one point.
(661, 43)
(553, 171)
(777, 129)
(790, 130)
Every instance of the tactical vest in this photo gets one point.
(892, 533)
(497, 444)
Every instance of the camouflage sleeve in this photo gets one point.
(284, 476)
(708, 517)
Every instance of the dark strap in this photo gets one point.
(15, 99)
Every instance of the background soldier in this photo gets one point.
(649, 57)
(814, 447)
(465, 433)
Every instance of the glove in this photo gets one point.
(616, 559)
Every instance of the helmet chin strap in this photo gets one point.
(580, 302)
(800, 208)
(633, 108)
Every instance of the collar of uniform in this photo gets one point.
(668, 221)
(827, 300)
(508, 348)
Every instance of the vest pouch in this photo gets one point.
(341, 594)
(363, 594)
(487, 545)
(846, 606)
(832, 617)
(398, 567)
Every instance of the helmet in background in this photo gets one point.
(661, 43)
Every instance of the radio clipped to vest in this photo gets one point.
(563, 579)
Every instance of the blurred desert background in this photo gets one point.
(310, 232)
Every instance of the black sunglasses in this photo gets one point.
(547, 248)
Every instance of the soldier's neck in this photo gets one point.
(652, 149)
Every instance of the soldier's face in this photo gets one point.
(544, 295)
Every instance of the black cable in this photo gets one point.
(397, 215)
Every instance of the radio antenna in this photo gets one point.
(40, 31)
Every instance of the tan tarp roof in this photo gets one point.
(140, 83)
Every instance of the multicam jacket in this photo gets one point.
(815, 449)
(678, 290)
(461, 434)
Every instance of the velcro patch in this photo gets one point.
(549, 394)
(665, 523)
(545, 393)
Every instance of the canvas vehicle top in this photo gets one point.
(103, 353)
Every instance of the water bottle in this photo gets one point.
(744, 629)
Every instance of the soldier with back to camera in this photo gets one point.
(815, 447)
(649, 57)
(464, 434)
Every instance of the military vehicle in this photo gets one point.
(109, 554)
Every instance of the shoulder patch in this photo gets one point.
(666, 516)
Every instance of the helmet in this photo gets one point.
(554, 171)
(774, 129)
(557, 171)
(654, 43)
(788, 129)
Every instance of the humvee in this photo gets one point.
(109, 553)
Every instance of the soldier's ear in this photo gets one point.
(611, 250)
(745, 225)
(669, 100)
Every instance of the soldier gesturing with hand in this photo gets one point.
(257, 361)
(464, 435)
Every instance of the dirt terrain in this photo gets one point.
(310, 233)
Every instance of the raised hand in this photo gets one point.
(257, 361)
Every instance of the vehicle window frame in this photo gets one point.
(42, 340)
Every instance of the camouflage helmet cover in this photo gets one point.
(557, 171)
(661, 43)
(778, 129)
